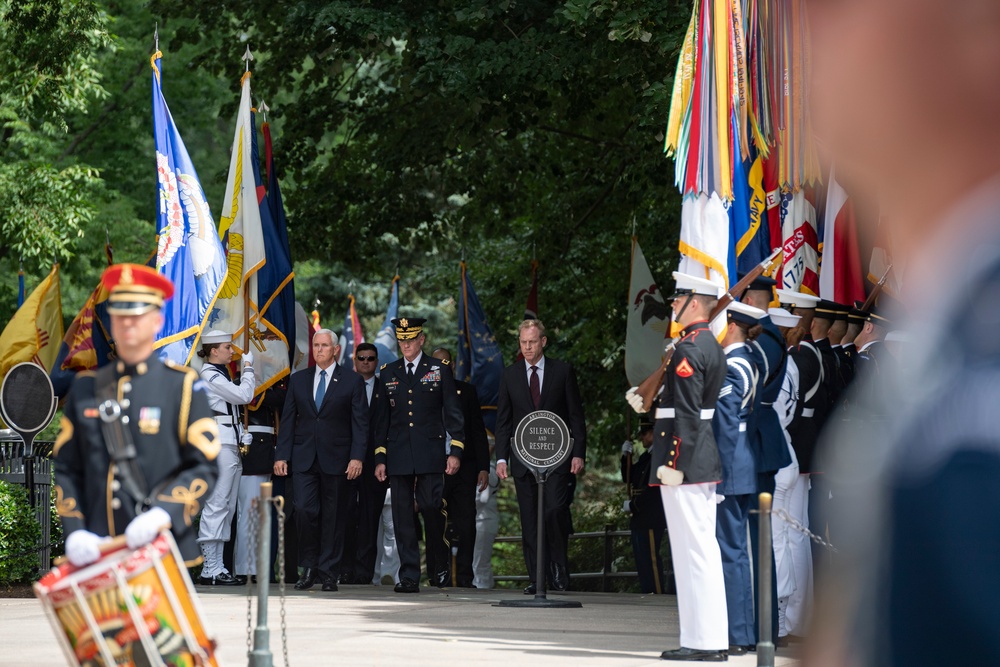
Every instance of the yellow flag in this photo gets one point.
(36, 330)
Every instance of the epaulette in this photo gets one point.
(445, 362)
(174, 366)
(384, 366)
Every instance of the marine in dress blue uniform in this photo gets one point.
(739, 471)
(423, 411)
(165, 412)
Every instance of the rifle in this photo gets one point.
(649, 387)
(870, 301)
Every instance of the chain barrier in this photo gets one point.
(279, 506)
(797, 525)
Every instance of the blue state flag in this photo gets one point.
(188, 249)
(277, 279)
(749, 231)
(479, 361)
(385, 339)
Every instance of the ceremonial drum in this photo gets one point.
(133, 608)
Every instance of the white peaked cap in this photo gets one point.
(797, 299)
(783, 318)
(687, 284)
(745, 309)
(216, 336)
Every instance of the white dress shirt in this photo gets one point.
(415, 362)
(369, 388)
(329, 374)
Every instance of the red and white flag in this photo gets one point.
(800, 248)
(840, 277)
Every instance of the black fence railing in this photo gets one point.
(607, 572)
(14, 470)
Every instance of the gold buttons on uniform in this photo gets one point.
(125, 403)
(411, 414)
(411, 424)
(663, 434)
(410, 391)
(127, 386)
(671, 452)
(115, 485)
(410, 402)
(116, 504)
(125, 419)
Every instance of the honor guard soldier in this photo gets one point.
(685, 464)
(838, 341)
(645, 509)
(737, 402)
(138, 444)
(812, 408)
(423, 412)
(767, 438)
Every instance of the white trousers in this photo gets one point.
(701, 589)
(217, 516)
(785, 481)
(388, 560)
(798, 604)
(245, 554)
(487, 526)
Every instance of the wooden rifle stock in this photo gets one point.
(870, 301)
(649, 387)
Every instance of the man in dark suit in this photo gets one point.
(412, 449)
(460, 490)
(322, 440)
(541, 383)
(367, 493)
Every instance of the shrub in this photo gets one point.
(19, 535)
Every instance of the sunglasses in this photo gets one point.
(366, 358)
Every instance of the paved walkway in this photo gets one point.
(373, 626)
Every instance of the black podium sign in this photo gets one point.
(541, 442)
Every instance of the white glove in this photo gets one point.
(144, 528)
(669, 476)
(627, 507)
(248, 357)
(627, 447)
(83, 547)
(246, 439)
(633, 398)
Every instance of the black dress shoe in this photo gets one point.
(558, 577)
(221, 579)
(442, 579)
(241, 579)
(307, 580)
(531, 589)
(407, 586)
(330, 585)
(736, 649)
(695, 655)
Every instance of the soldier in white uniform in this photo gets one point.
(225, 395)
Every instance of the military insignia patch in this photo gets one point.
(684, 369)
(149, 421)
(433, 376)
(91, 413)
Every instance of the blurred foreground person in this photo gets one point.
(905, 97)
(645, 510)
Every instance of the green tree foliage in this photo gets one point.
(19, 534)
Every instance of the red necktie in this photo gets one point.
(535, 386)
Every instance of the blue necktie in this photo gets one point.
(321, 389)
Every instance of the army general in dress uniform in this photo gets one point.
(422, 411)
(138, 442)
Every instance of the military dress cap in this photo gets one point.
(135, 289)
(783, 318)
(828, 310)
(762, 284)
(408, 328)
(797, 299)
(216, 336)
(687, 284)
(857, 315)
(741, 312)
(645, 422)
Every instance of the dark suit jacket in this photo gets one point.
(376, 412)
(560, 394)
(476, 458)
(336, 434)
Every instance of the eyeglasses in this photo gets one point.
(366, 358)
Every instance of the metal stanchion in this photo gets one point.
(261, 654)
(765, 643)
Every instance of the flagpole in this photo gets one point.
(247, 57)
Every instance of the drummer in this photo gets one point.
(153, 416)
(225, 395)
